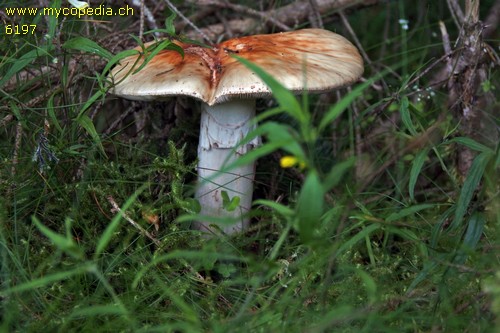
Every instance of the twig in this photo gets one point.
(357, 143)
(456, 12)
(117, 209)
(349, 28)
(7, 119)
(228, 32)
(431, 66)
(117, 121)
(318, 22)
(141, 20)
(426, 139)
(249, 11)
(291, 15)
(191, 24)
(145, 12)
(17, 145)
(445, 37)
(32, 102)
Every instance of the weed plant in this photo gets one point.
(360, 223)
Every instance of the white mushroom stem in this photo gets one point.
(222, 128)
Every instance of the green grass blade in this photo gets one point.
(197, 256)
(470, 185)
(285, 98)
(428, 270)
(337, 173)
(310, 207)
(88, 125)
(52, 114)
(472, 144)
(169, 24)
(157, 48)
(416, 167)
(410, 236)
(475, 228)
(65, 244)
(98, 94)
(365, 232)
(116, 59)
(86, 45)
(407, 212)
(113, 225)
(336, 110)
(405, 115)
(24, 61)
(279, 208)
(46, 280)
(98, 310)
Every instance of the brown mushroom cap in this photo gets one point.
(314, 58)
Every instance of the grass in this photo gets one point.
(372, 229)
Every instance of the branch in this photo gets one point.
(290, 15)
(248, 11)
(117, 209)
(492, 20)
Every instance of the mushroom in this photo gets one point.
(314, 58)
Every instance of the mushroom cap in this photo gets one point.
(316, 59)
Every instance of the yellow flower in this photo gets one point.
(289, 161)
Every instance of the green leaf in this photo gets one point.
(157, 48)
(226, 269)
(275, 132)
(87, 124)
(52, 114)
(86, 45)
(116, 58)
(336, 110)
(470, 185)
(169, 24)
(365, 232)
(279, 136)
(47, 279)
(24, 61)
(416, 167)
(17, 113)
(475, 228)
(407, 211)
(472, 144)
(283, 210)
(310, 207)
(283, 96)
(229, 204)
(52, 21)
(426, 272)
(98, 310)
(438, 228)
(368, 282)
(497, 160)
(195, 256)
(65, 244)
(405, 115)
(336, 174)
(98, 94)
(411, 236)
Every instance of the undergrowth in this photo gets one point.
(366, 226)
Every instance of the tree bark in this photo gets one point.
(468, 98)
